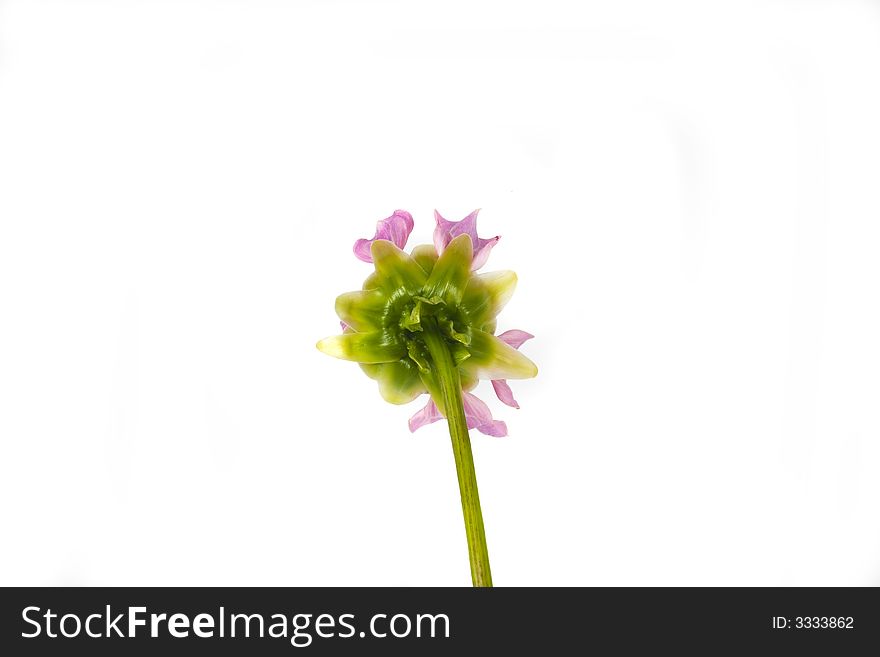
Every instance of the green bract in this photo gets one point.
(409, 298)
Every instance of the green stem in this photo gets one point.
(450, 387)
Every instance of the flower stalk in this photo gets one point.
(450, 386)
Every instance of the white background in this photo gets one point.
(688, 191)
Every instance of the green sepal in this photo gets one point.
(493, 359)
(416, 354)
(452, 271)
(448, 329)
(436, 300)
(372, 282)
(396, 270)
(372, 347)
(362, 310)
(486, 294)
(412, 321)
(426, 257)
(468, 381)
(460, 353)
(399, 382)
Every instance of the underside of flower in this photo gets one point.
(425, 322)
(413, 299)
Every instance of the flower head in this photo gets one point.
(431, 293)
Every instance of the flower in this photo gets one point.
(430, 294)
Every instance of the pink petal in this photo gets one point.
(395, 228)
(476, 413)
(504, 393)
(515, 337)
(428, 415)
(446, 230)
(479, 417)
